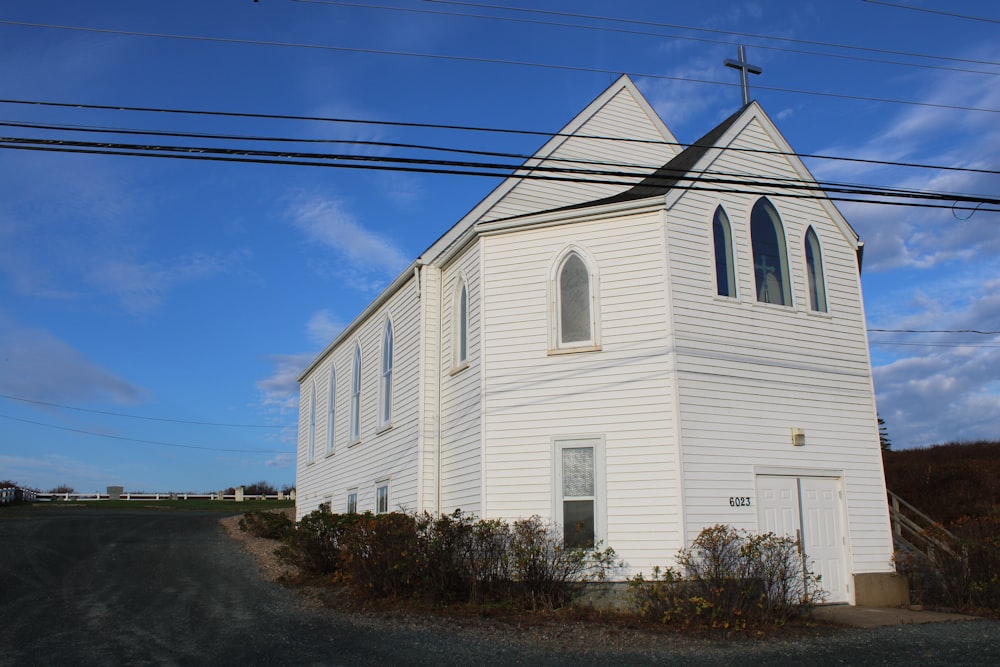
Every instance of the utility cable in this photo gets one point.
(933, 11)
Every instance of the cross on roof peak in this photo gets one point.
(744, 67)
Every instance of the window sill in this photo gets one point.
(455, 370)
(329, 454)
(354, 443)
(819, 313)
(383, 428)
(574, 350)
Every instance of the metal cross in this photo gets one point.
(743, 66)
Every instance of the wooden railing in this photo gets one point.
(913, 530)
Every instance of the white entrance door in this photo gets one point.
(809, 509)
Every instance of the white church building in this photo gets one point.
(633, 360)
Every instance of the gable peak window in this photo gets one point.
(575, 303)
(725, 272)
(356, 395)
(770, 258)
(814, 272)
(461, 323)
(385, 377)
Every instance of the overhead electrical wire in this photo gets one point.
(933, 11)
(146, 442)
(499, 61)
(659, 35)
(938, 331)
(121, 414)
(473, 128)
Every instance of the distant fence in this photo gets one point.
(15, 494)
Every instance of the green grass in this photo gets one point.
(184, 505)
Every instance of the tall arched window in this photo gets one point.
(460, 334)
(725, 273)
(814, 272)
(576, 303)
(356, 395)
(385, 378)
(330, 403)
(770, 259)
(311, 444)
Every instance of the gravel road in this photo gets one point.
(127, 587)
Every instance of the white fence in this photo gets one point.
(15, 494)
(11, 496)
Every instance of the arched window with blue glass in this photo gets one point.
(385, 378)
(814, 272)
(770, 256)
(355, 419)
(725, 266)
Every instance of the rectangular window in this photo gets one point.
(578, 487)
(382, 497)
(352, 501)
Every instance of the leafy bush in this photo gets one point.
(315, 545)
(271, 525)
(729, 579)
(381, 555)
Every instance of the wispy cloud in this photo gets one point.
(328, 223)
(280, 390)
(323, 328)
(34, 364)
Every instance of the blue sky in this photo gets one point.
(154, 314)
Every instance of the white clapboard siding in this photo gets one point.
(622, 393)
(430, 346)
(748, 372)
(625, 116)
(387, 454)
(461, 392)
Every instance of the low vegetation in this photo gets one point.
(957, 484)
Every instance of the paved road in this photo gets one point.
(92, 587)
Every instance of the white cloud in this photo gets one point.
(282, 461)
(322, 328)
(34, 364)
(327, 222)
(280, 390)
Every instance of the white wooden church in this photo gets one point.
(633, 361)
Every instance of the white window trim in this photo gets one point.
(347, 505)
(331, 411)
(783, 240)
(354, 418)
(600, 485)
(458, 363)
(311, 437)
(385, 376)
(555, 332)
(735, 296)
(384, 483)
(824, 295)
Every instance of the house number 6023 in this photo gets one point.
(739, 501)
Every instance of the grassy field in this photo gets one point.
(182, 505)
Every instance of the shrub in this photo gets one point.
(315, 545)
(380, 554)
(271, 525)
(728, 579)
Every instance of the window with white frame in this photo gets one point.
(311, 443)
(382, 497)
(575, 303)
(814, 272)
(579, 484)
(770, 258)
(352, 501)
(385, 378)
(330, 409)
(460, 315)
(355, 418)
(725, 271)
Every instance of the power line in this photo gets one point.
(714, 30)
(429, 166)
(933, 11)
(473, 128)
(643, 33)
(938, 331)
(912, 344)
(499, 61)
(121, 414)
(146, 442)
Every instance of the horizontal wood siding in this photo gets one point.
(387, 454)
(461, 392)
(430, 294)
(621, 116)
(750, 372)
(622, 393)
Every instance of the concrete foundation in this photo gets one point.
(881, 589)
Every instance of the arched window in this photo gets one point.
(385, 378)
(311, 445)
(725, 273)
(460, 334)
(814, 272)
(575, 309)
(330, 403)
(356, 395)
(770, 260)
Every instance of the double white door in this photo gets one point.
(809, 509)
